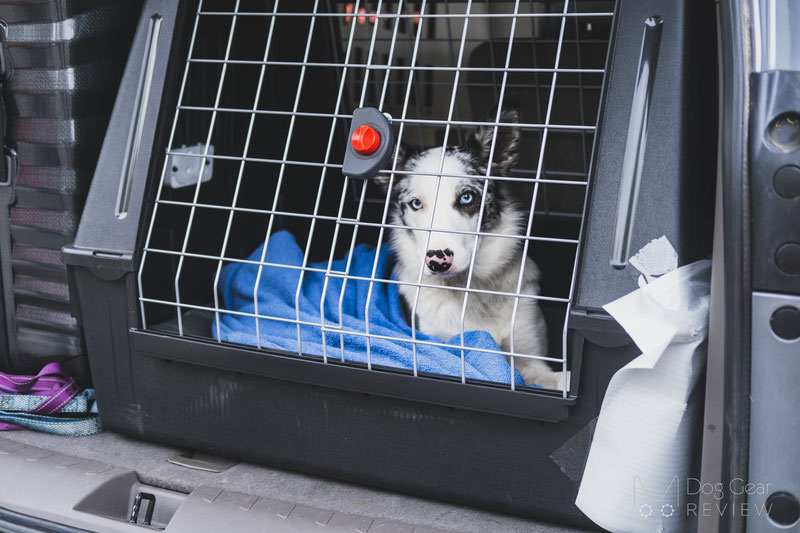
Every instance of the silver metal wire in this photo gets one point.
(340, 220)
(385, 211)
(533, 203)
(202, 166)
(322, 184)
(421, 16)
(241, 173)
(397, 68)
(483, 205)
(166, 162)
(432, 79)
(436, 200)
(416, 121)
(281, 175)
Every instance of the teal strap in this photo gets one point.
(78, 418)
(81, 403)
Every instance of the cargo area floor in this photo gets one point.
(295, 502)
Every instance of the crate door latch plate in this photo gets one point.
(370, 144)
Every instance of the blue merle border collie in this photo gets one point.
(447, 255)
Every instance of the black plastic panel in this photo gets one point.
(677, 182)
(483, 397)
(481, 459)
(774, 152)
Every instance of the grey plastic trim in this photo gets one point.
(12, 522)
(49, 485)
(210, 509)
(714, 409)
(775, 34)
(42, 485)
(202, 461)
(774, 425)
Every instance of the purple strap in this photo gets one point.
(51, 381)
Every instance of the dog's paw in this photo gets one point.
(561, 379)
(554, 381)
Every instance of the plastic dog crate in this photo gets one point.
(232, 124)
(63, 63)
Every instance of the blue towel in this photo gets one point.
(276, 298)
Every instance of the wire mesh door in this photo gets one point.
(257, 237)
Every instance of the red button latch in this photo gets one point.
(365, 140)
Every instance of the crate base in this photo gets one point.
(499, 463)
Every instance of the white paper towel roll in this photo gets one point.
(639, 463)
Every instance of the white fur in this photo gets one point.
(496, 268)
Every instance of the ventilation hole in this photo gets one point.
(785, 323)
(784, 132)
(783, 508)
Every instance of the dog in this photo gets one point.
(447, 255)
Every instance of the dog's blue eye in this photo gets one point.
(416, 204)
(466, 198)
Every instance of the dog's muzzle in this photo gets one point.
(439, 260)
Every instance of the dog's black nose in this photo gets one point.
(439, 260)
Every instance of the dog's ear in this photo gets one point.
(382, 179)
(506, 147)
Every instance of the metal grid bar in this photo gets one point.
(537, 81)
(330, 329)
(477, 40)
(164, 169)
(435, 202)
(533, 205)
(388, 199)
(206, 146)
(420, 16)
(420, 121)
(282, 172)
(357, 222)
(367, 66)
(322, 184)
(425, 68)
(483, 205)
(339, 217)
(453, 59)
(395, 172)
(587, 166)
(240, 174)
(334, 273)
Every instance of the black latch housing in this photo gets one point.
(374, 153)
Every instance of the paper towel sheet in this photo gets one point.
(638, 468)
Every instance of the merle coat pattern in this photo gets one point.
(445, 256)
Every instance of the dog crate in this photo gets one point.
(223, 193)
